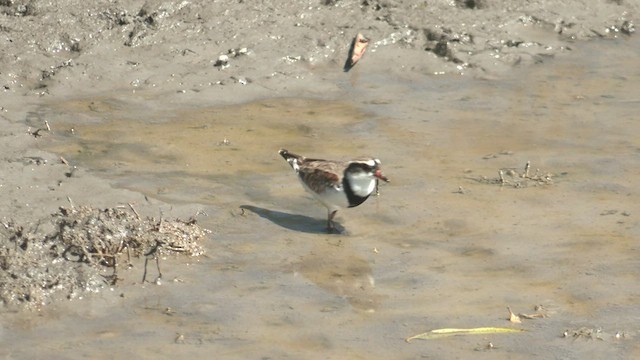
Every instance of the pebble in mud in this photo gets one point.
(222, 62)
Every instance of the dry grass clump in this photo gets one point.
(83, 251)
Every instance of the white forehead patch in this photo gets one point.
(372, 162)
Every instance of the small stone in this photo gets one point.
(222, 62)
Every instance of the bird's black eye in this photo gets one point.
(362, 167)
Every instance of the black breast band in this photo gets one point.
(354, 200)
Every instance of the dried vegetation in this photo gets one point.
(84, 250)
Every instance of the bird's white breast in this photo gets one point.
(333, 197)
(362, 184)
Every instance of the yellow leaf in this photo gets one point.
(438, 333)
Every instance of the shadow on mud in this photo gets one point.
(293, 222)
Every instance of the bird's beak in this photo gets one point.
(379, 175)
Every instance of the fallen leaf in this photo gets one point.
(439, 333)
(513, 317)
(358, 47)
(531, 316)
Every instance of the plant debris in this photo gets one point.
(83, 251)
(513, 317)
(512, 177)
(518, 318)
(357, 49)
(595, 334)
(439, 333)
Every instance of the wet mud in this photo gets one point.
(465, 230)
(446, 244)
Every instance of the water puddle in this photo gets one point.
(201, 155)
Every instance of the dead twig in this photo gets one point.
(154, 254)
(71, 203)
(134, 210)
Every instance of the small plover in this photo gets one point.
(337, 184)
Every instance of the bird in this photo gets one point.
(336, 184)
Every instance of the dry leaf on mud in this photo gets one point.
(532, 316)
(439, 333)
(518, 318)
(358, 47)
(513, 317)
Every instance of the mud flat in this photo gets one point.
(128, 110)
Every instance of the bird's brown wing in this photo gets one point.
(318, 174)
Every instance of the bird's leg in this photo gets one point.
(330, 227)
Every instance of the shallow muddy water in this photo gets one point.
(445, 245)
